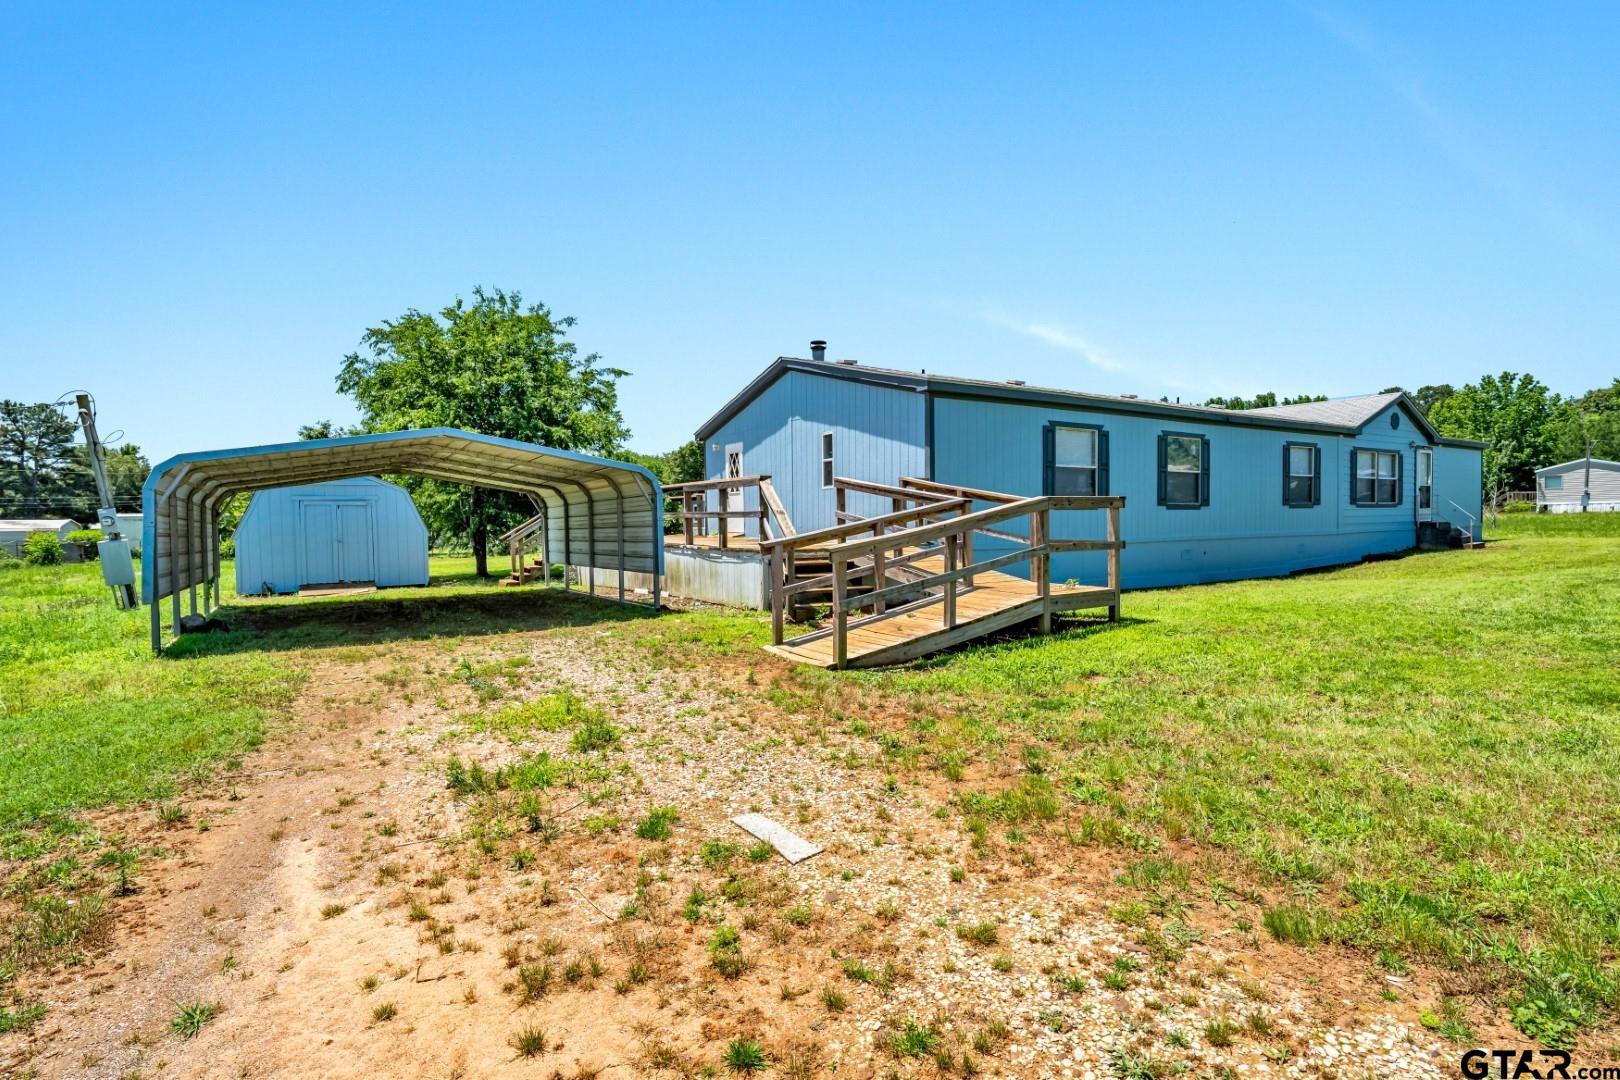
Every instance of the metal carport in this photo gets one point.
(599, 513)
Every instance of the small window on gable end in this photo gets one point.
(1553, 483)
(826, 459)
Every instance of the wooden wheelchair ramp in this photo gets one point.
(906, 584)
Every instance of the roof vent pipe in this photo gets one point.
(1015, 382)
(818, 350)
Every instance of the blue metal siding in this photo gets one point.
(878, 435)
(1245, 531)
(1459, 481)
(270, 539)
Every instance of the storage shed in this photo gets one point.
(344, 531)
(1582, 484)
(14, 531)
(594, 513)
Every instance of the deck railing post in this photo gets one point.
(1113, 562)
(689, 504)
(840, 572)
(1041, 565)
(967, 555)
(879, 580)
(725, 522)
(950, 586)
(778, 595)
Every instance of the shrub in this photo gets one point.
(8, 561)
(84, 536)
(42, 549)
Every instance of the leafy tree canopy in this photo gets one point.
(495, 366)
(1263, 401)
(1511, 413)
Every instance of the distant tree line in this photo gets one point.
(1526, 425)
(45, 469)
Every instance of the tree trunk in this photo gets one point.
(480, 534)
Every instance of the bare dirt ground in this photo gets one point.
(352, 916)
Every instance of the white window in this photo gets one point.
(1300, 484)
(1074, 460)
(1425, 479)
(826, 459)
(1184, 481)
(1377, 478)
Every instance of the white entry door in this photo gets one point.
(734, 496)
(1425, 484)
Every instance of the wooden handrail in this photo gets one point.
(976, 494)
(710, 485)
(867, 487)
(767, 494)
(838, 532)
(923, 534)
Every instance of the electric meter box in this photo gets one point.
(117, 567)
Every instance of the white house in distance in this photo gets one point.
(14, 532)
(1559, 488)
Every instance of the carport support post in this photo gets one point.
(157, 619)
(619, 504)
(174, 563)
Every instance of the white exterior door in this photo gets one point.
(734, 496)
(355, 562)
(1425, 484)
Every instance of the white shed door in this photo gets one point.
(337, 542)
(355, 561)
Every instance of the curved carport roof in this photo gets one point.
(598, 512)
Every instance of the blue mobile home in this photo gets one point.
(1211, 494)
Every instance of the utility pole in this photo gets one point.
(123, 591)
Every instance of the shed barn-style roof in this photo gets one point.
(599, 512)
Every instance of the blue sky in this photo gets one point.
(199, 215)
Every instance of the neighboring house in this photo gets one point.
(14, 533)
(1559, 487)
(360, 530)
(1211, 494)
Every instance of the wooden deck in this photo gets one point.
(995, 602)
(734, 542)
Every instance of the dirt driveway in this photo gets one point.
(513, 857)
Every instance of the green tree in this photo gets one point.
(1427, 396)
(494, 366)
(127, 469)
(681, 465)
(1265, 400)
(1589, 423)
(36, 458)
(324, 429)
(1510, 412)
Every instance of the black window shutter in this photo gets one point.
(1203, 474)
(1102, 462)
(1354, 500)
(1049, 459)
(1316, 476)
(1162, 465)
(1288, 496)
(1400, 479)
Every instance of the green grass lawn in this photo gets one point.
(1423, 753)
(88, 716)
